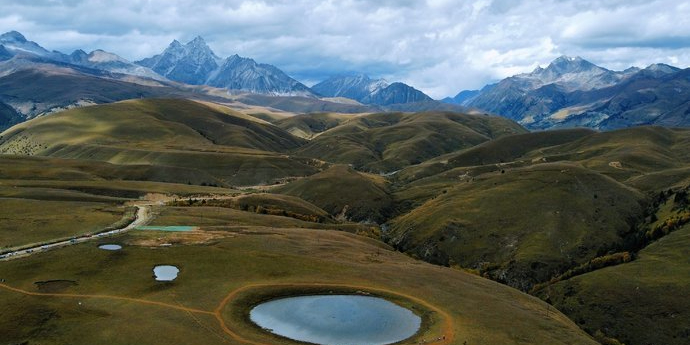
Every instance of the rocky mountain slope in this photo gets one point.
(572, 92)
(369, 91)
(196, 64)
(14, 45)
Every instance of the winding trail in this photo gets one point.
(447, 336)
(111, 297)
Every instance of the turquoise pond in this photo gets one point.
(167, 228)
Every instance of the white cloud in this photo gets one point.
(438, 46)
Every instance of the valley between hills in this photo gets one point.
(493, 234)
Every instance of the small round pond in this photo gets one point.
(165, 273)
(110, 246)
(337, 319)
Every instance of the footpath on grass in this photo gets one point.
(447, 336)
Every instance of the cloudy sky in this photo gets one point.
(438, 46)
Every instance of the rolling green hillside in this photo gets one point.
(521, 226)
(310, 125)
(390, 141)
(345, 193)
(231, 147)
(502, 150)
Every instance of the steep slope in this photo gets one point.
(43, 88)
(8, 116)
(4, 53)
(463, 97)
(105, 61)
(521, 226)
(345, 193)
(641, 301)
(396, 93)
(522, 208)
(390, 141)
(572, 92)
(232, 147)
(190, 63)
(369, 91)
(357, 86)
(243, 74)
(652, 96)
(16, 44)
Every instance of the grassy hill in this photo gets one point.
(505, 149)
(390, 141)
(231, 147)
(310, 125)
(523, 225)
(344, 192)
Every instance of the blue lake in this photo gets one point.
(110, 246)
(165, 273)
(337, 319)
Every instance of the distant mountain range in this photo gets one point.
(569, 92)
(369, 91)
(573, 92)
(194, 63)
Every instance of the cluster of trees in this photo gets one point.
(667, 226)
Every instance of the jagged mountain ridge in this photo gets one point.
(196, 64)
(369, 91)
(16, 45)
(573, 92)
(355, 86)
(193, 63)
(190, 63)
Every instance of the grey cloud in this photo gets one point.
(438, 46)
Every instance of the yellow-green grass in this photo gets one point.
(35, 221)
(178, 137)
(45, 168)
(340, 190)
(626, 153)
(478, 311)
(156, 123)
(210, 216)
(640, 302)
(308, 126)
(389, 141)
(263, 203)
(118, 190)
(503, 150)
(521, 226)
(649, 158)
